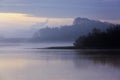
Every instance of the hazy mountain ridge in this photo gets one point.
(80, 26)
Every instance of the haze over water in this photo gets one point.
(20, 62)
(23, 23)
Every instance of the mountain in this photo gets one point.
(80, 26)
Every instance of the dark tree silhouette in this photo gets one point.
(110, 38)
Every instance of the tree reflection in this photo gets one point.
(103, 57)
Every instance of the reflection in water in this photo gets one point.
(103, 57)
(45, 64)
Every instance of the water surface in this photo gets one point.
(20, 62)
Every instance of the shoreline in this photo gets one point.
(74, 48)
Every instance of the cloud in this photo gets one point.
(63, 8)
(112, 21)
(111, 0)
(24, 25)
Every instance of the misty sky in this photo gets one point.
(20, 14)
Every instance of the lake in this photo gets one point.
(21, 62)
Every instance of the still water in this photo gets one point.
(21, 62)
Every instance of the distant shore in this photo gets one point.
(58, 47)
(62, 47)
(72, 47)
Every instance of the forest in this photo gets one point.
(68, 33)
(110, 38)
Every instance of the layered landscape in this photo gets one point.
(82, 33)
(59, 39)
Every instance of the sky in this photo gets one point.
(24, 14)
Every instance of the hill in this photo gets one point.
(80, 26)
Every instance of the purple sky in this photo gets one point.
(95, 9)
(22, 16)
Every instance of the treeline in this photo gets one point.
(110, 38)
(80, 26)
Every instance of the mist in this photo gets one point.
(80, 27)
(50, 31)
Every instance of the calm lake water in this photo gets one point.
(21, 62)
